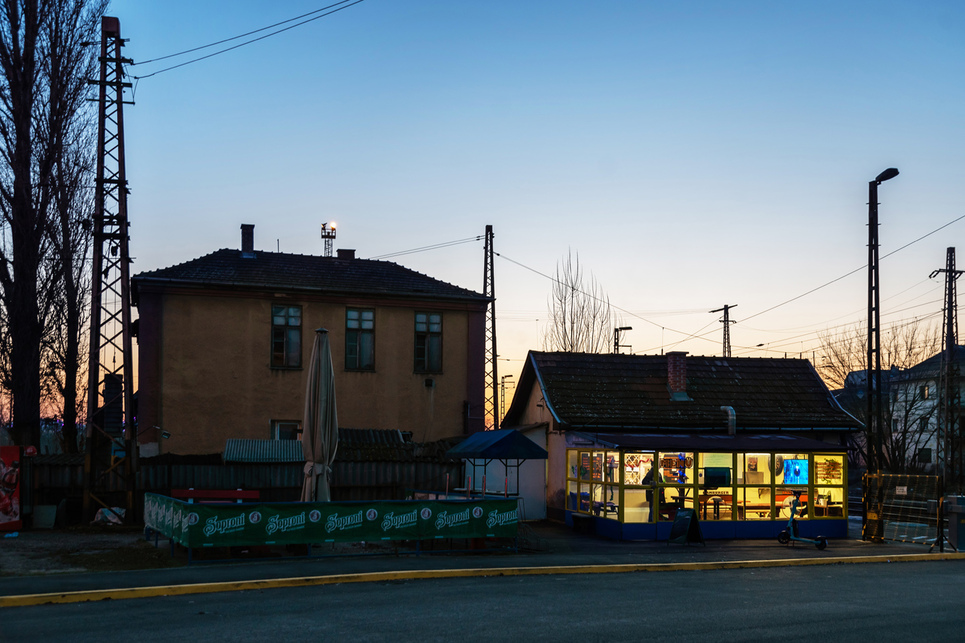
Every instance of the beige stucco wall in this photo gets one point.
(535, 411)
(210, 377)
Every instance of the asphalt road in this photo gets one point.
(869, 602)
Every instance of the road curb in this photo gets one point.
(54, 598)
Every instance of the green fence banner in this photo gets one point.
(282, 523)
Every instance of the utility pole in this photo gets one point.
(491, 381)
(951, 451)
(726, 321)
(110, 463)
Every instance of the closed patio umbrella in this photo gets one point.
(320, 425)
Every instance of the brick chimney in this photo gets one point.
(677, 375)
(247, 240)
(346, 253)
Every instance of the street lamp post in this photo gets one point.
(875, 417)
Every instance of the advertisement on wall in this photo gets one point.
(10, 489)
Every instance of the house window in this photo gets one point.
(359, 339)
(286, 336)
(923, 391)
(428, 342)
(924, 455)
(286, 430)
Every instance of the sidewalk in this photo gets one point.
(544, 548)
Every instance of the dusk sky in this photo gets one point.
(694, 154)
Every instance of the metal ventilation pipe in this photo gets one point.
(731, 419)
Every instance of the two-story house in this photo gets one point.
(223, 341)
(916, 410)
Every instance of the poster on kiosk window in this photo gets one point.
(10, 488)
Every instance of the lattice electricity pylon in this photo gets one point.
(951, 451)
(726, 321)
(491, 380)
(111, 459)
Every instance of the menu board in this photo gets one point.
(598, 466)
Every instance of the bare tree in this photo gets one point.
(908, 410)
(579, 311)
(43, 68)
(70, 135)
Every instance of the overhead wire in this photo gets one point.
(436, 246)
(345, 4)
(699, 334)
(224, 40)
(856, 270)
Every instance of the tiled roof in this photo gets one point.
(629, 393)
(280, 271)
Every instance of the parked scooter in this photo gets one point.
(791, 531)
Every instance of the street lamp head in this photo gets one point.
(625, 328)
(890, 173)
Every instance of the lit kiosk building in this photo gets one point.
(633, 439)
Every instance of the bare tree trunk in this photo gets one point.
(20, 260)
(42, 71)
(73, 145)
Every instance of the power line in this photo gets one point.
(697, 334)
(221, 42)
(248, 42)
(444, 244)
(783, 303)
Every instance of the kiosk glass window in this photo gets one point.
(830, 493)
(676, 468)
(753, 468)
(584, 467)
(784, 498)
(637, 505)
(597, 465)
(829, 469)
(754, 503)
(715, 492)
(675, 480)
(829, 502)
(670, 499)
(572, 495)
(637, 469)
(583, 504)
(572, 464)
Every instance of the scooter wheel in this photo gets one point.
(821, 542)
(784, 537)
